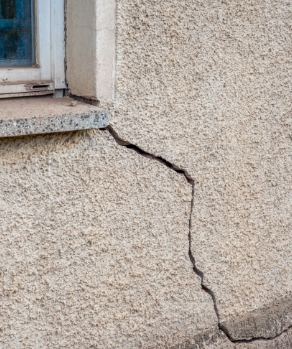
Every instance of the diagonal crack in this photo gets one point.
(190, 180)
(197, 271)
(148, 155)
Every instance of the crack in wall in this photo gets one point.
(252, 340)
(140, 151)
(197, 271)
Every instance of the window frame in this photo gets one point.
(48, 74)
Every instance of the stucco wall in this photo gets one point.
(94, 250)
(206, 85)
(94, 247)
(95, 237)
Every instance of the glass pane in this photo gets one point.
(16, 33)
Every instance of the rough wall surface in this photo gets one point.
(217, 340)
(94, 237)
(207, 86)
(94, 247)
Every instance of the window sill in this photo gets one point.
(29, 116)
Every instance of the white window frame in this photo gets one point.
(48, 75)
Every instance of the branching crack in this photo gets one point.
(197, 271)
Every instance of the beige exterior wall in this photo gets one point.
(94, 247)
(206, 86)
(95, 236)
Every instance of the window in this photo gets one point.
(32, 48)
(17, 41)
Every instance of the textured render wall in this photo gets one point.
(206, 85)
(94, 250)
(94, 247)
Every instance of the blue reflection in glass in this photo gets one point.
(16, 33)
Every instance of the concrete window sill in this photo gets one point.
(29, 116)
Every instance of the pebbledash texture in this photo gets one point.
(206, 85)
(171, 228)
(95, 250)
(94, 247)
